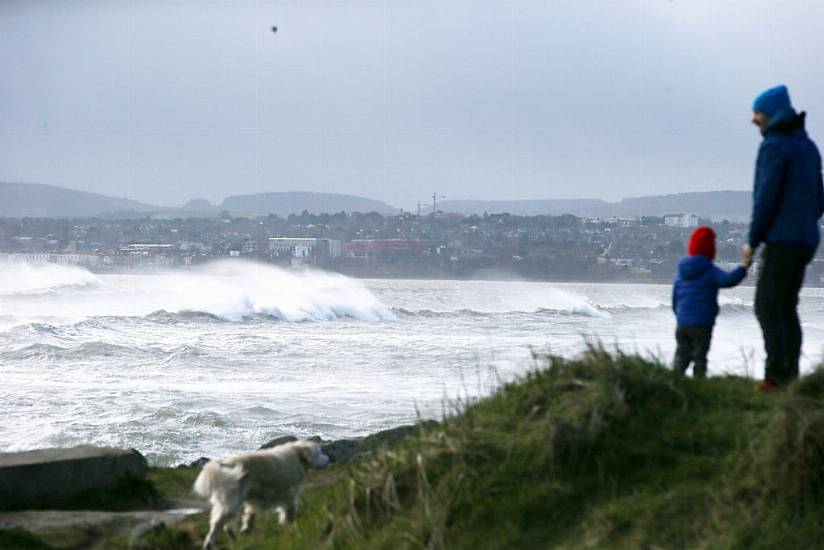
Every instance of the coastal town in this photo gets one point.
(436, 245)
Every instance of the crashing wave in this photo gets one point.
(233, 291)
(27, 279)
(238, 291)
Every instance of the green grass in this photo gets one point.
(20, 539)
(604, 451)
(172, 485)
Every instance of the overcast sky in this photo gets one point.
(163, 101)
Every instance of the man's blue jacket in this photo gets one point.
(788, 197)
(695, 290)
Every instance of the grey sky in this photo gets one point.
(165, 101)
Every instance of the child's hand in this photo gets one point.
(746, 256)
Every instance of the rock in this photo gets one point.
(51, 477)
(198, 464)
(144, 531)
(278, 441)
(380, 440)
(343, 450)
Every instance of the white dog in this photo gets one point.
(258, 480)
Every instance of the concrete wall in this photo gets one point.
(49, 477)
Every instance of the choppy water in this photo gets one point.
(221, 359)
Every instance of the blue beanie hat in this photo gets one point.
(772, 101)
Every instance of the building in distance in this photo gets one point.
(304, 247)
(681, 220)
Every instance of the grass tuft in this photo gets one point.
(795, 447)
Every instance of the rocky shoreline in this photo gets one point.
(53, 478)
(51, 505)
(343, 450)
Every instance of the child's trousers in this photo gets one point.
(693, 346)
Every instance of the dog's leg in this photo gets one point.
(234, 499)
(281, 510)
(217, 518)
(291, 510)
(248, 521)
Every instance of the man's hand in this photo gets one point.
(746, 256)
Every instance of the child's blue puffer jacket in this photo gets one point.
(695, 290)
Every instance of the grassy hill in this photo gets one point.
(604, 451)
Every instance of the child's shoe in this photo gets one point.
(768, 385)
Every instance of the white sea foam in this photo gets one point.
(23, 278)
(154, 362)
(553, 299)
(235, 290)
(497, 297)
(229, 290)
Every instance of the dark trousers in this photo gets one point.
(776, 299)
(693, 346)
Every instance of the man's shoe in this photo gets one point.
(768, 385)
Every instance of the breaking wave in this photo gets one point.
(233, 291)
(238, 291)
(27, 279)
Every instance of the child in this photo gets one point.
(695, 300)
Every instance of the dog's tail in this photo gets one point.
(215, 475)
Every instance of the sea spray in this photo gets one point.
(17, 278)
(290, 296)
(233, 291)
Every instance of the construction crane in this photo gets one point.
(435, 198)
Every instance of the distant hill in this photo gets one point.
(716, 205)
(20, 200)
(48, 201)
(295, 202)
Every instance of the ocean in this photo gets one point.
(224, 357)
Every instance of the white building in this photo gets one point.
(40, 258)
(681, 220)
(141, 248)
(304, 247)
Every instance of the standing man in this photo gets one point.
(788, 200)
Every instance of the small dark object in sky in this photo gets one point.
(274, 29)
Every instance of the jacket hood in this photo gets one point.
(692, 267)
(786, 121)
